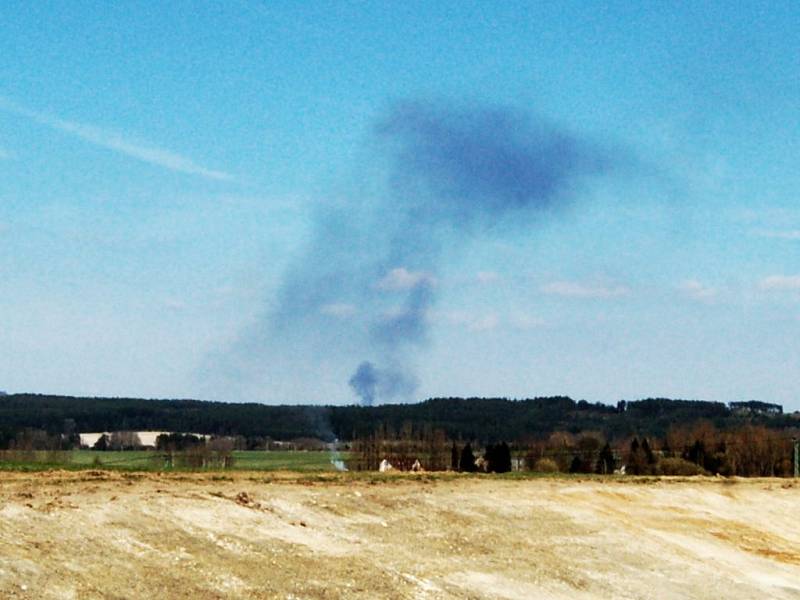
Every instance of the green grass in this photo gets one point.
(279, 460)
(131, 459)
(149, 460)
(310, 467)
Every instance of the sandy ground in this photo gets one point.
(111, 535)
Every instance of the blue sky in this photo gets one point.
(169, 172)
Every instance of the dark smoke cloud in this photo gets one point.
(370, 382)
(365, 287)
(479, 163)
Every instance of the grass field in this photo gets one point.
(148, 460)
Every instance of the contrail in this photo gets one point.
(118, 143)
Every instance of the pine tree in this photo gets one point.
(467, 461)
(648, 453)
(507, 457)
(502, 458)
(637, 461)
(605, 462)
(490, 458)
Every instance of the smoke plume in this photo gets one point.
(369, 383)
(364, 289)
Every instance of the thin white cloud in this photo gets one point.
(780, 283)
(118, 143)
(455, 317)
(779, 234)
(490, 321)
(576, 289)
(523, 321)
(339, 310)
(400, 279)
(469, 320)
(697, 290)
(487, 277)
(485, 323)
(770, 217)
(175, 304)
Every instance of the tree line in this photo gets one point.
(698, 448)
(426, 448)
(747, 450)
(481, 420)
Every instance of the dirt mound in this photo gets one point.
(100, 534)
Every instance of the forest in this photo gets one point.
(482, 420)
(655, 436)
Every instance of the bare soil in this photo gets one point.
(97, 534)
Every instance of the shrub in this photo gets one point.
(679, 466)
(545, 465)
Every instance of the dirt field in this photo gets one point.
(116, 535)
